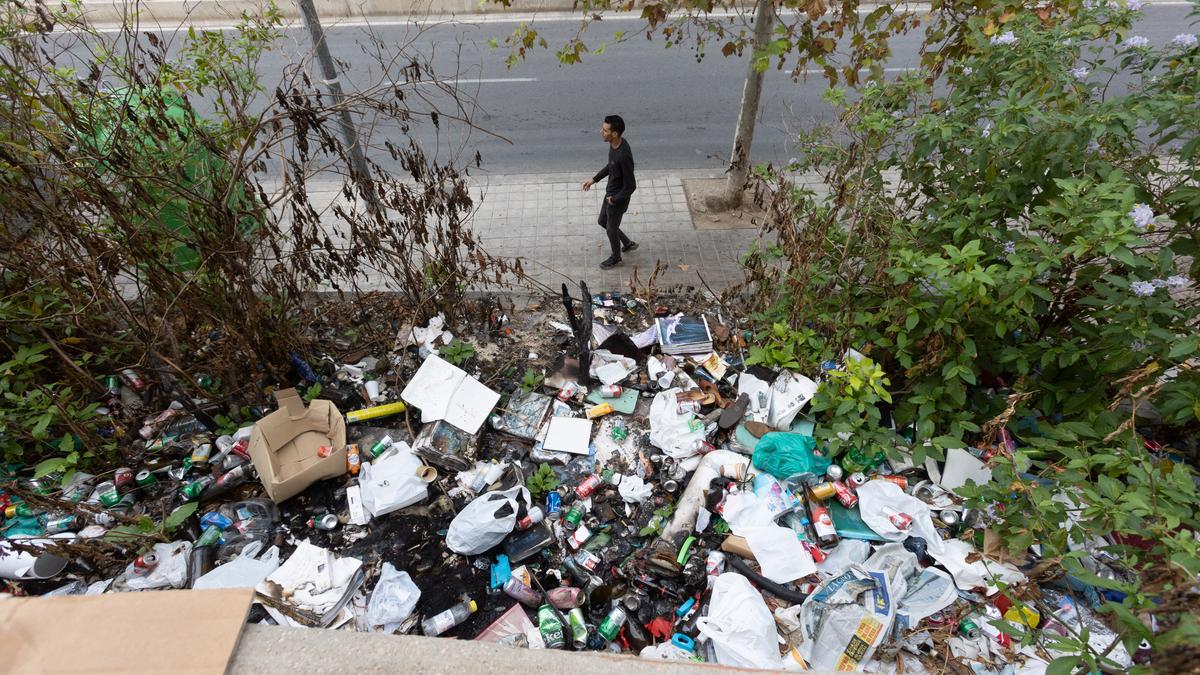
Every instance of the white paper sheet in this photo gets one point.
(444, 391)
(569, 434)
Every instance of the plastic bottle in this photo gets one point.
(440, 623)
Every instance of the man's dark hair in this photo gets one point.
(615, 123)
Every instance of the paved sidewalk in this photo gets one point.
(550, 223)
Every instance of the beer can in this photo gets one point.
(588, 486)
(611, 391)
(579, 631)
(588, 560)
(522, 592)
(949, 517)
(326, 522)
(123, 479)
(145, 478)
(378, 448)
(550, 628)
(835, 472)
(688, 406)
(824, 490)
(210, 536)
(568, 391)
(969, 629)
(131, 378)
(845, 495)
(612, 624)
(64, 524)
(858, 479)
(573, 518)
(109, 496)
(553, 502)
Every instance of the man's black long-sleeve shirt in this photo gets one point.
(619, 171)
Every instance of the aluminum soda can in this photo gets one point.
(64, 524)
(522, 593)
(835, 472)
(969, 629)
(689, 406)
(588, 486)
(144, 564)
(568, 391)
(901, 481)
(573, 518)
(145, 478)
(326, 522)
(824, 490)
(579, 537)
(550, 628)
(108, 494)
(579, 631)
(612, 623)
(565, 597)
(949, 517)
(858, 479)
(123, 479)
(845, 495)
(532, 517)
(553, 502)
(901, 521)
(611, 391)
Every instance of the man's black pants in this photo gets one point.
(610, 220)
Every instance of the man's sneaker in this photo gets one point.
(610, 263)
(629, 248)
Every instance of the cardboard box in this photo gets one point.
(284, 445)
(156, 632)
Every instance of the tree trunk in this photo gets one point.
(743, 138)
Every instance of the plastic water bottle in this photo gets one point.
(440, 623)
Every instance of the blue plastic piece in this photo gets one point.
(501, 571)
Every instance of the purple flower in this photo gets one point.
(1005, 38)
(1135, 42)
(1137, 345)
(1159, 283)
(1010, 247)
(1184, 41)
(1134, 5)
(1178, 281)
(967, 70)
(1142, 215)
(1142, 289)
(1080, 73)
(987, 129)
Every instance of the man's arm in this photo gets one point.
(600, 176)
(629, 184)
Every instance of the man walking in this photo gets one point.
(621, 185)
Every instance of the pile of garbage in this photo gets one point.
(639, 491)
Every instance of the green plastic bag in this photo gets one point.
(784, 454)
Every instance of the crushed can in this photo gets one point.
(565, 597)
(143, 564)
(522, 593)
(611, 391)
(901, 521)
(588, 560)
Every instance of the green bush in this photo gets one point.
(1013, 241)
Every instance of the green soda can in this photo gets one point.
(64, 524)
(573, 518)
(380, 445)
(550, 628)
(612, 624)
(193, 490)
(145, 478)
(109, 495)
(579, 631)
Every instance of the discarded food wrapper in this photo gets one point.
(284, 445)
(444, 391)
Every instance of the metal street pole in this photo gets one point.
(329, 75)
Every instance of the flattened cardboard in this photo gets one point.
(283, 445)
(159, 632)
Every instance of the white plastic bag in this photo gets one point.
(740, 625)
(391, 482)
(486, 521)
(244, 571)
(171, 571)
(635, 490)
(877, 495)
(669, 430)
(789, 394)
(394, 599)
(780, 554)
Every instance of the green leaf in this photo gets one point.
(49, 466)
(179, 515)
(1063, 665)
(948, 442)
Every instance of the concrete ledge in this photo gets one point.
(287, 651)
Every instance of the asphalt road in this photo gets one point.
(680, 113)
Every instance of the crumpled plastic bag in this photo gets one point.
(779, 553)
(391, 482)
(244, 571)
(739, 624)
(982, 573)
(635, 490)
(670, 431)
(875, 495)
(786, 454)
(393, 600)
(312, 579)
(171, 571)
(486, 521)
(848, 552)
(790, 392)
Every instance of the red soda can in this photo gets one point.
(241, 449)
(144, 564)
(815, 551)
(845, 495)
(532, 517)
(588, 486)
(611, 391)
(901, 521)
(123, 480)
(858, 479)
(568, 391)
(898, 480)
